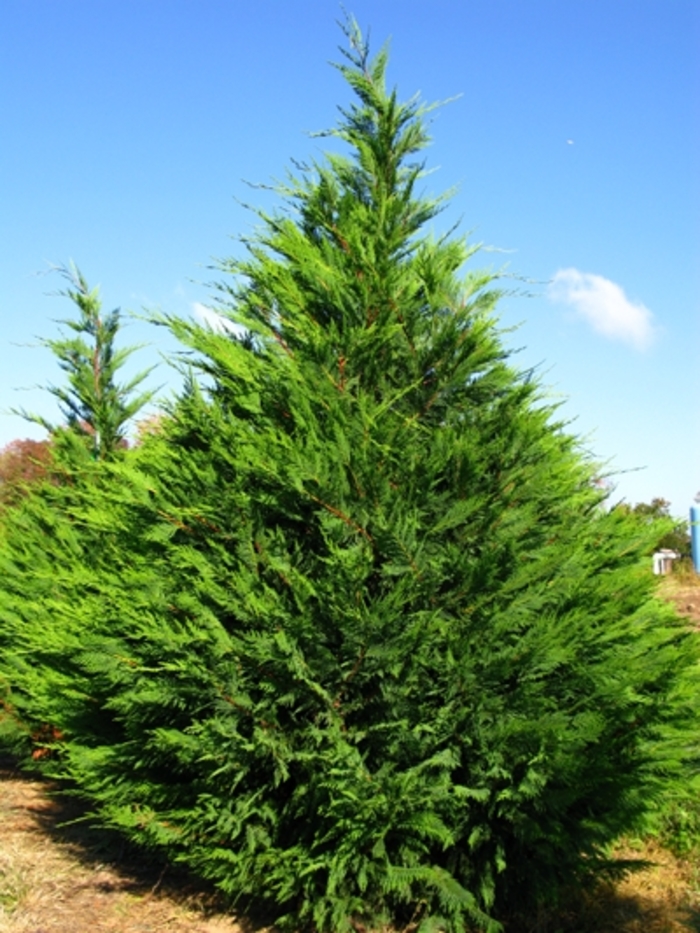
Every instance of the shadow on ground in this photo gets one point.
(70, 874)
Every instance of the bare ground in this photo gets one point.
(63, 877)
(58, 877)
(683, 590)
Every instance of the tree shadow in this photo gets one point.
(604, 909)
(115, 863)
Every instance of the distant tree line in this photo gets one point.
(674, 533)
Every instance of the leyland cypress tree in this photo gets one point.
(94, 404)
(97, 409)
(360, 638)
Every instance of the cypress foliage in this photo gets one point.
(94, 404)
(47, 534)
(353, 633)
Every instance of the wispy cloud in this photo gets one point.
(604, 305)
(216, 322)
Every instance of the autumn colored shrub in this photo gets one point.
(23, 463)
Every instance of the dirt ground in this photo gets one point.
(684, 592)
(58, 877)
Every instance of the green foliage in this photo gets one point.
(678, 822)
(94, 405)
(351, 633)
(671, 533)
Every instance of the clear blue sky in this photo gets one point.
(130, 129)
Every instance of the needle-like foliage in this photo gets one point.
(94, 405)
(353, 632)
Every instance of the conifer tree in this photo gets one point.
(358, 638)
(94, 404)
(97, 410)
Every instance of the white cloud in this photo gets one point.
(605, 306)
(217, 322)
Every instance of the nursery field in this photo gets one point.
(58, 876)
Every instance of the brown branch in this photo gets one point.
(247, 712)
(343, 517)
(174, 521)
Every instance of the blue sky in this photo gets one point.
(130, 130)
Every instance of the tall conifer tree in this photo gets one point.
(359, 639)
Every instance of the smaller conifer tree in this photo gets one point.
(44, 482)
(95, 406)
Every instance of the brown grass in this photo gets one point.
(683, 590)
(58, 878)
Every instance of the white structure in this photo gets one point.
(663, 560)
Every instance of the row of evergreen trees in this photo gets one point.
(349, 632)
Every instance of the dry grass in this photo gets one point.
(683, 590)
(57, 878)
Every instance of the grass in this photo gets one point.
(683, 590)
(13, 883)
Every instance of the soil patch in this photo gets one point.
(62, 877)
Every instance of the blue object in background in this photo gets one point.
(695, 536)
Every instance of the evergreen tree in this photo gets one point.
(671, 533)
(351, 633)
(97, 410)
(94, 405)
